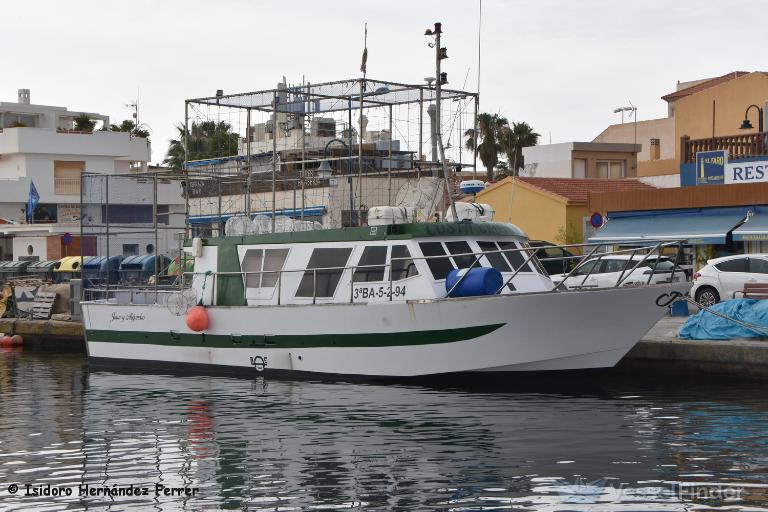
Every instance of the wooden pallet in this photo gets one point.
(42, 305)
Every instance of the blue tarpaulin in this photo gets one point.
(706, 326)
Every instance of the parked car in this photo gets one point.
(722, 277)
(555, 260)
(605, 272)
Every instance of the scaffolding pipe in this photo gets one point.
(389, 161)
(360, 163)
(248, 164)
(185, 136)
(421, 124)
(154, 225)
(474, 153)
(274, 159)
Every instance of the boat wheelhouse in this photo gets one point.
(367, 264)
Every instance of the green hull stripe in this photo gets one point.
(376, 339)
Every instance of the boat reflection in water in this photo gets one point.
(610, 444)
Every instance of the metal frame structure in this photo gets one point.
(338, 99)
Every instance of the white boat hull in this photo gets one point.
(525, 332)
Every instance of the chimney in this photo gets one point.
(655, 149)
(24, 96)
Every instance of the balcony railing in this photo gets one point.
(738, 146)
(66, 186)
(73, 132)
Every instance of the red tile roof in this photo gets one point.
(703, 85)
(578, 190)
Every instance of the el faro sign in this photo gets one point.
(746, 172)
(714, 168)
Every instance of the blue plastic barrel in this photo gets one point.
(479, 281)
(679, 308)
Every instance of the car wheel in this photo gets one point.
(707, 296)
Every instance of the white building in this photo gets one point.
(38, 144)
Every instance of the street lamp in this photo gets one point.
(747, 124)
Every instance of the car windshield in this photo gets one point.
(616, 265)
(663, 265)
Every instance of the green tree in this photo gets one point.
(512, 141)
(208, 139)
(83, 123)
(488, 143)
(129, 126)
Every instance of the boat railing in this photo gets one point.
(637, 255)
(138, 294)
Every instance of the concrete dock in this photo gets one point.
(53, 335)
(661, 351)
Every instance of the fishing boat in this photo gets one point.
(424, 289)
(373, 301)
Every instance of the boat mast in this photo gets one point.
(440, 54)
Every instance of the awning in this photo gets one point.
(754, 229)
(309, 211)
(698, 228)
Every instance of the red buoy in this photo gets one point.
(16, 339)
(197, 318)
(6, 341)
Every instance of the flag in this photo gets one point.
(34, 198)
(364, 65)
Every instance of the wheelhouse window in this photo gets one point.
(462, 254)
(326, 281)
(402, 268)
(263, 263)
(515, 257)
(440, 267)
(252, 263)
(273, 261)
(495, 258)
(373, 255)
(534, 260)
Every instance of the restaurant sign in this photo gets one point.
(746, 172)
(710, 167)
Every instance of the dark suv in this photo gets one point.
(550, 257)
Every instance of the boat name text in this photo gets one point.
(127, 317)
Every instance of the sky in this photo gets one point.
(563, 66)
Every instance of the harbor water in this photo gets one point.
(72, 438)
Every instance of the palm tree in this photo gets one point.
(83, 123)
(490, 127)
(208, 139)
(513, 140)
(129, 126)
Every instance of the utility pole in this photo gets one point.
(440, 79)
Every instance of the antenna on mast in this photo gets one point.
(440, 80)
